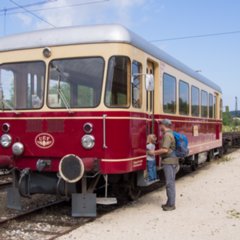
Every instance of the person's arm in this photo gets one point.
(158, 152)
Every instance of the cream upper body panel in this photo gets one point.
(102, 41)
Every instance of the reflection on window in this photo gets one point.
(137, 84)
(22, 85)
(75, 83)
(169, 93)
(204, 104)
(195, 101)
(210, 105)
(118, 80)
(183, 98)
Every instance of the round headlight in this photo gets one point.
(17, 148)
(88, 141)
(6, 140)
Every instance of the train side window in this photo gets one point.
(169, 93)
(204, 105)
(137, 84)
(183, 98)
(211, 109)
(118, 81)
(221, 108)
(215, 106)
(195, 101)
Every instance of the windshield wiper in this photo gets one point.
(59, 89)
(5, 103)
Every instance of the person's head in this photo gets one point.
(151, 138)
(165, 125)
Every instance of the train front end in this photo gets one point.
(57, 129)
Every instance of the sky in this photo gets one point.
(217, 57)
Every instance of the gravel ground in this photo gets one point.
(208, 207)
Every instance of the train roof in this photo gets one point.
(95, 34)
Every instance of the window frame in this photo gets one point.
(175, 109)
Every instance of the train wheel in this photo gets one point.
(134, 191)
(194, 164)
(210, 156)
(221, 152)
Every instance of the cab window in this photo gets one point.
(136, 84)
(75, 83)
(118, 81)
(22, 85)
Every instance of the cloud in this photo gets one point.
(95, 12)
(25, 19)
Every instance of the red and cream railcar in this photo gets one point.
(77, 104)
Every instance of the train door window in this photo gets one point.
(195, 101)
(118, 82)
(204, 105)
(22, 85)
(183, 98)
(211, 109)
(150, 95)
(75, 83)
(136, 84)
(169, 93)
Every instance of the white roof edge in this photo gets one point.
(95, 34)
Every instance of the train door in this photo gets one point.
(150, 100)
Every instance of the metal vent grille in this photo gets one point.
(55, 125)
(34, 126)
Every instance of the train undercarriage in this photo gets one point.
(91, 188)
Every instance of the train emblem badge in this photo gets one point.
(44, 140)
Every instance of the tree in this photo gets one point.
(227, 118)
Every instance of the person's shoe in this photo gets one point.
(164, 205)
(168, 208)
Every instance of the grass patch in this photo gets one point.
(224, 159)
(233, 214)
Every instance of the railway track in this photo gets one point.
(5, 179)
(46, 222)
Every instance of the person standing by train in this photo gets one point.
(169, 161)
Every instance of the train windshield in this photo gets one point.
(75, 83)
(21, 85)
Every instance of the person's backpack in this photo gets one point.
(181, 140)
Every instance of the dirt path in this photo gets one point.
(208, 207)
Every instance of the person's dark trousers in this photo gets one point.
(170, 171)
